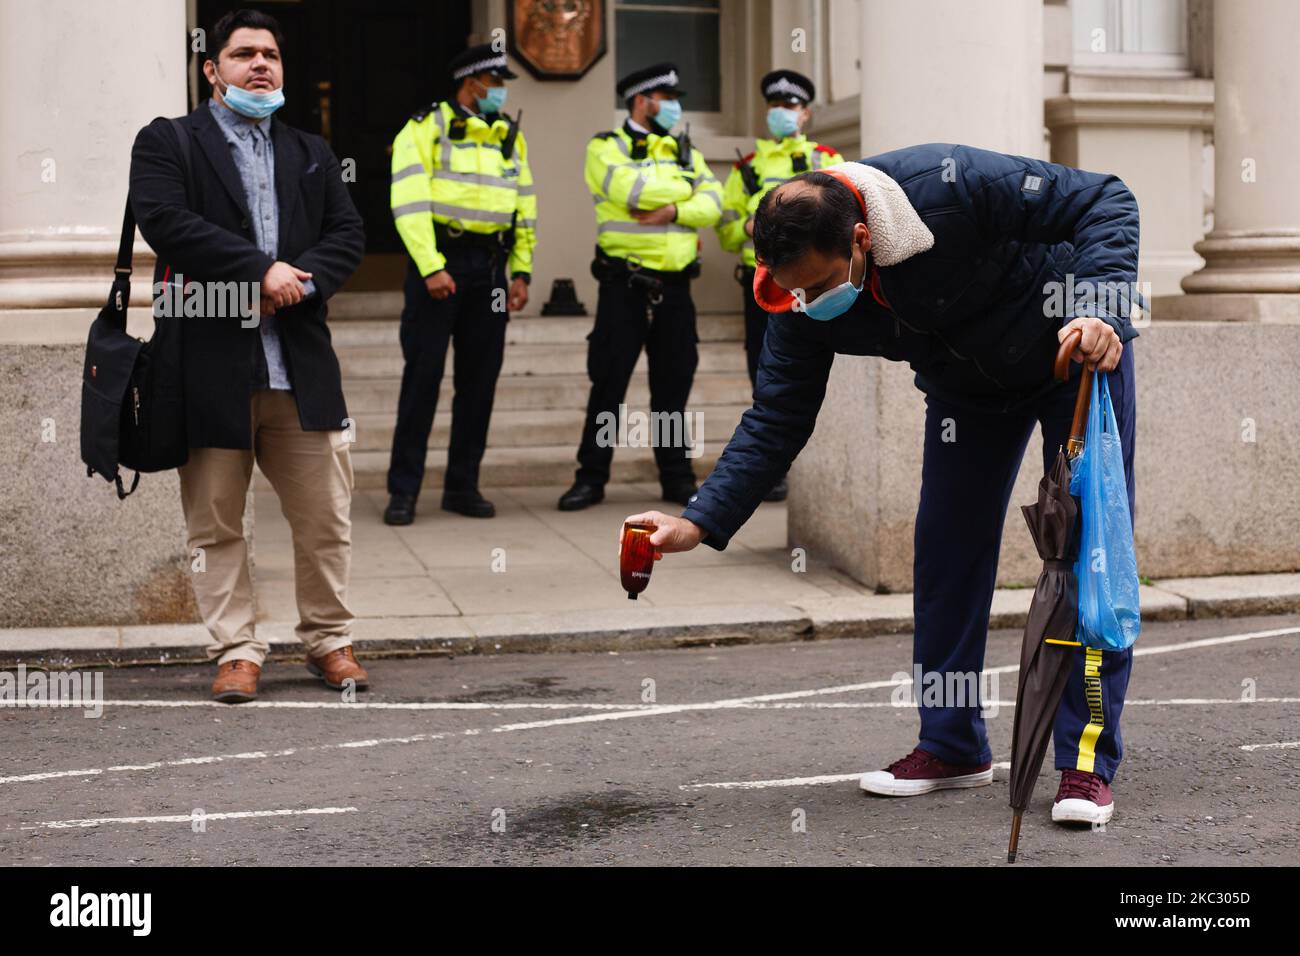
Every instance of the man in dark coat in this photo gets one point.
(977, 265)
(248, 212)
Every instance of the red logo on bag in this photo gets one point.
(92, 370)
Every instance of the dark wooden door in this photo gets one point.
(354, 71)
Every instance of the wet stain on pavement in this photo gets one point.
(529, 688)
(580, 818)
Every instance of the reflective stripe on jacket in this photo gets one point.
(448, 167)
(773, 162)
(620, 183)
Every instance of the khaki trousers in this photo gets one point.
(311, 472)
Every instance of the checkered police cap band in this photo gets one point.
(482, 66)
(663, 79)
(783, 85)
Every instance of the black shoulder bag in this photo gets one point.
(132, 399)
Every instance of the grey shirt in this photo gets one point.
(254, 156)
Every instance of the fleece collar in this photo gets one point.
(897, 232)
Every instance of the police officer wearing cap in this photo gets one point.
(465, 206)
(773, 161)
(653, 192)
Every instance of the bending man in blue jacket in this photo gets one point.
(971, 266)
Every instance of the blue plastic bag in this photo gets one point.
(1106, 568)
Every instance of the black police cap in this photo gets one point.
(787, 84)
(480, 59)
(661, 76)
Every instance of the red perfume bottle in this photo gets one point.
(636, 557)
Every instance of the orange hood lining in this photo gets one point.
(770, 296)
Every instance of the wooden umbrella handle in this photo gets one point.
(1079, 425)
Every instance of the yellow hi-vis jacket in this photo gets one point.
(448, 167)
(628, 170)
(773, 162)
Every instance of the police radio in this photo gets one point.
(748, 174)
(683, 141)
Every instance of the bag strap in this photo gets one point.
(125, 246)
(117, 480)
(126, 243)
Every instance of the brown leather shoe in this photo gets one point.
(236, 682)
(337, 666)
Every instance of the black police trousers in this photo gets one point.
(479, 332)
(614, 345)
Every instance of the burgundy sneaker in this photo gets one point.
(1083, 797)
(920, 772)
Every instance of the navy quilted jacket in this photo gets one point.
(1021, 247)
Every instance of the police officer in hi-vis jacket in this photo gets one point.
(653, 192)
(773, 161)
(465, 206)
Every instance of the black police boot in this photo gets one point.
(581, 495)
(779, 491)
(400, 510)
(679, 491)
(471, 504)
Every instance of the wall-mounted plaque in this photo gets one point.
(556, 39)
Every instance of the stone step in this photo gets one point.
(539, 465)
(548, 391)
(364, 306)
(347, 328)
(385, 361)
(517, 428)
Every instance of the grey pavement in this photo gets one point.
(699, 755)
(536, 579)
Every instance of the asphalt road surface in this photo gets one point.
(715, 755)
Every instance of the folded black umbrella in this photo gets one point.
(1049, 644)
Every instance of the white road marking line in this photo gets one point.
(185, 817)
(1279, 745)
(1180, 701)
(794, 781)
(869, 685)
(1213, 641)
(638, 711)
(220, 758)
(726, 703)
(762, 784)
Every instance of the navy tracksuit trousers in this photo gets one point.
(966, 487)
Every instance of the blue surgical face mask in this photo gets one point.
(834, 302)
(782, 122)
(253, 105)
(670, 111)
(493, 100)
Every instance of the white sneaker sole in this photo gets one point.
(885, 784)
(1075, 810)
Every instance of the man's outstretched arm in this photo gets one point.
(793, 369)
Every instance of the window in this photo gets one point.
(843, 42)
(684, 32)
(1136, 34)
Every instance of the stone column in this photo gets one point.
(1252, 257)
(81, 79)
(1154, 141)
(1219, 362)
(932, 71)
(90, 76)
(952, 72)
